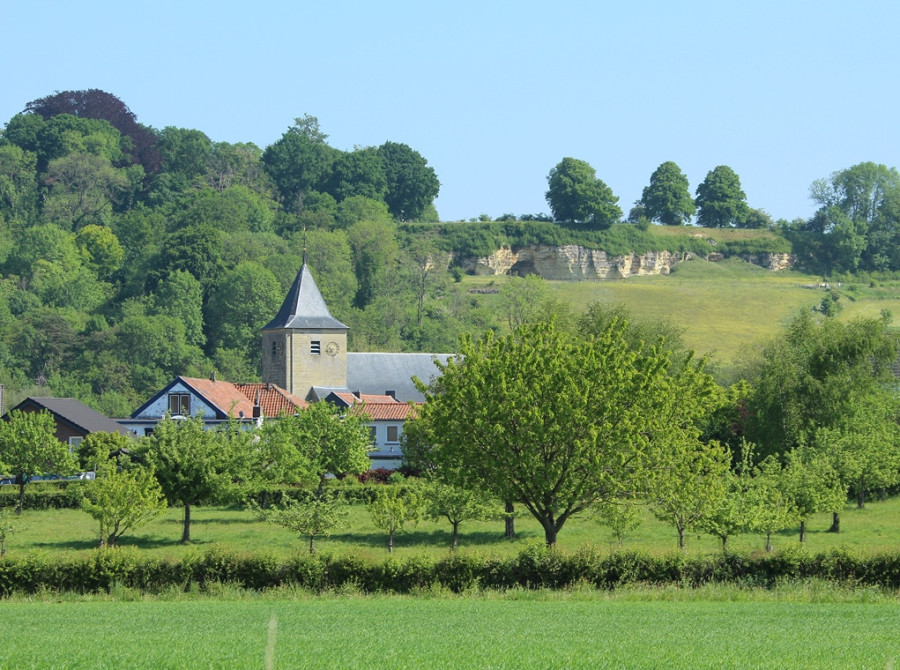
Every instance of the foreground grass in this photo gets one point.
(514, 630)
(872, 529)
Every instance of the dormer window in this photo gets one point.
(315, 347)
(180, 404)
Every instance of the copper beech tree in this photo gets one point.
(555, 422)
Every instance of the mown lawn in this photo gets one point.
(409, 632)
(876, 528)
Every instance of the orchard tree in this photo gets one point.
(811, 484)
(193, 466)
(770, 505)
(721, 202)
(123, 500)
(576, 194)
(456, 504)
(395, 506)
(309, 518)
(668, 198)
(554, 422)
(29, 448)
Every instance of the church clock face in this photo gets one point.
(332, 349)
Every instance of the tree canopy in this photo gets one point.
(575, 194)
(667, 198)
(721, 201)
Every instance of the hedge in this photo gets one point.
(535, 567)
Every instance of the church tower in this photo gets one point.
(304, 346)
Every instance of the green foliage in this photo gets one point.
(393, 508)
(29, 448)
(575, 193)
(310, 518)
(412, 184)
(554, 422)
(667, 199)
(123, 500)
(720, 200)
(9, 525)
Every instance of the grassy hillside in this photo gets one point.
(724, 308)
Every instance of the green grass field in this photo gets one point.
(725, 309)
(876, 528)
(550, 631)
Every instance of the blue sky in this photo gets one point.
(494, 94)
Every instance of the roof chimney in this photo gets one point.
(212, 376)
(257, 409)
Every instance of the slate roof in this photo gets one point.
(378, 373)
(304, 307)
(75, 413)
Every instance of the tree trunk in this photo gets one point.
(21, 483)
(186, 532)
(550, 534)
(860, 499)
(391, 542)
(312, 544)
(680, 538)
(803, 531)
(769, 547)
(724, 543)
(454, 544)
(510, 521)
(835, 523)
(2, 548)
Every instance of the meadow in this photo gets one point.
(875, 528)
(726, 309)
(637, 629)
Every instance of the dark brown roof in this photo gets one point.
(75, 413)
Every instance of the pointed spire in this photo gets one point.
(304, 306)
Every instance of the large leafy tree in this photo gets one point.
(123, 500)
(554, 422)
(575, 194)
(667, 198)
(412, 184)
(721, 202)
(814, 376)
(193, 466)
(300, 161)
(29, 448)
(96, 104)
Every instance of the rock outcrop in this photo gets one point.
(575, 263)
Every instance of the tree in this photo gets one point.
(772, 508)
(193, 466)
(310, 518)
(330, 440)
(690, 485)
(811, 484)
(123, 500)
(412, 184)
(100, 250)
(553, 422)
(394, 506)
(358, 173)
(299, 162)
(575, 194)
(29, 448)
(812, 376)
(455, 504)
(721, 203)
(667, 199)
(620, 516)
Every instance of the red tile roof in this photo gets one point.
(387, 411)
(354, 398)
(273, 399)
(238, 399)
(224, 395)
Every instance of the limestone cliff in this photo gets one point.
(575, 263)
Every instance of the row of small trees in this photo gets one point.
(565, 420)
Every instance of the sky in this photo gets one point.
(494, 94)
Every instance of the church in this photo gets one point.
(304, 360)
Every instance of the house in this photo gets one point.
(215, 400)
(74, 420)
(305, 360)
(385, 416)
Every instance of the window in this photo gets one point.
(148, 432)
(393, 433)
(180, 404)
(274, 350)
(74, 443)
(315, 347)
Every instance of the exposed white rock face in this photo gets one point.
(575, 263)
